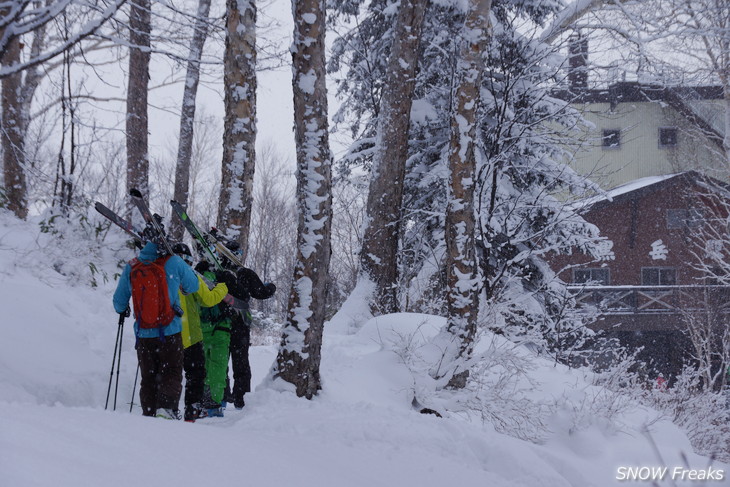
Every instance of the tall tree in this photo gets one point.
(12, 133)
(187, 116)
(462, 268)
(379, 254)
(239, 137)
(300, 352)
(140, 28)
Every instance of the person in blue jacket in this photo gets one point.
(159, 350)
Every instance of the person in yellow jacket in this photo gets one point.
(192, 337)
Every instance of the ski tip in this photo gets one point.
(135, 192)
(98, 205)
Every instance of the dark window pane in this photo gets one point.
(650, 276)
(581, 276)
(600, 275)
(695, 218)
(658, 276)
(676, 218)
(611, 138)
(667, 277)
(594, 276)
(683, 218)
(667, 137)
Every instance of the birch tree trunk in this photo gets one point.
(299, 354)
(379, 254)
(461, 263)
(239, 136)
(12, 133)
(187, 116)
(140, 27)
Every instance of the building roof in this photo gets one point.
(643, 186)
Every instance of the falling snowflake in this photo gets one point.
(659, 251)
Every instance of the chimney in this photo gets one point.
(578, 63)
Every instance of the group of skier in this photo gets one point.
(183, 327)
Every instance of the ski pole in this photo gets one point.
(134, 388)
(119, 358)
(114, 358)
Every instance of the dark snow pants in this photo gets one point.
(194, 367)
(161, 371)
(240, 343)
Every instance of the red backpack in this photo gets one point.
(150, 294)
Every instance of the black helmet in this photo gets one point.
(234, 246)
(181, 248)
(183, 251)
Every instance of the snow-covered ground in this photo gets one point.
(58, 336)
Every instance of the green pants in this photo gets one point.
(216, 339)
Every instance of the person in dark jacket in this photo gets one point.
(159, 350)
(245, 284)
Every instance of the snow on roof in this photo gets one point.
(636, 184)
(623, 189)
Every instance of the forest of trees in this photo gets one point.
(455, 184)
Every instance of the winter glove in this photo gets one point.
(226, 277)
(203, 266)
(127, 312)
(270, 287)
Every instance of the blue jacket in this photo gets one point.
(179, 277)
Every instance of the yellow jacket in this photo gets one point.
(190, 303)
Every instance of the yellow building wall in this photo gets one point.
(640, 154)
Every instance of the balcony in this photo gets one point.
(653, 300)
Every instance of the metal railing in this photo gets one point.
(621, 300)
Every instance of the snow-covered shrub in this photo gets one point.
(497, 391)
(265, 330)
(702, 413)
(80, 244)
(76, 249)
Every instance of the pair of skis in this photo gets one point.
(205, 239)
(149, 218)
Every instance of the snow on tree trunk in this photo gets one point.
(239, 136)
(726, 110)
(379, 254)
(140, 27)
(12, 133)
(461, 263)
(299, 354)
(187, 117)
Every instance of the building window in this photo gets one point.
(667, 136)
(597, 276)
(658, 276)
(678, 218)
(611, 138)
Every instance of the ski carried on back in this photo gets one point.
(193, 230)
(149, 218)
(205, 239)
(128, 227)
(121, 223)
